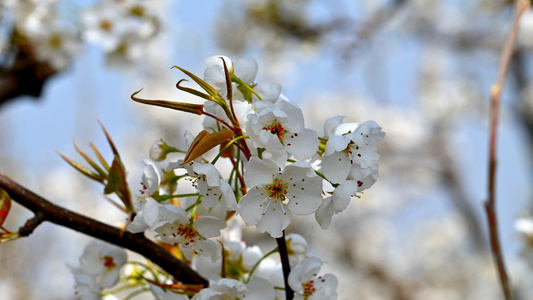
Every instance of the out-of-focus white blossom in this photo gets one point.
(306, 283)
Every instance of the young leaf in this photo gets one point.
(197, 109)
(5, 205)
(82, 169)
(114, 180)
(205, 142)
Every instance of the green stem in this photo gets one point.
(227, 146)
(258, 262)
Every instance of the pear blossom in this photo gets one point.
(224, 288)
(306, 283)
(174, 226)
(56, 45)
(352, 150)
(151, 180)
(130, 49)
(239, 259)
(87, 288)
(103, 260)
(525, 227)
(103, 25)
(275, 195)
(210, 184)
(296, 248)
(244, 69)
(280, 130)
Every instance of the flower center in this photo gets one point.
(55, 41)
(349, 151)
(277, 129)
(309, 288)
(106, 25)
(108, 262)
(277, 190)
(188, 234)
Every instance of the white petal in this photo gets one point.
(252, 205)
(336, 144)
(259, 172)
(275, 219)
(336, 167)
(110, 278)
(295, 115)
(208, 248)
(246, 69)
(303, 144)
(331, 124)
(269, 91)
(209, 226)
(324, 213)
(138, 224)
(259, 289)
(211, 173)
(215, 60)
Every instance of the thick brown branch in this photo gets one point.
(46, 211)
(26, 77)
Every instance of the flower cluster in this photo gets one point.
(36, 24)
(121, 28)
(279, 168)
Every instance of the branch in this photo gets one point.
(520, 7)
(26, 77)
(46, 211)
(284, 256)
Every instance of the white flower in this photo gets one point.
(305, 283)
(270, 93)
(211, 186)
(525, 227)
(224, 288)
(336, 203)
(275, 195)
(296, 248)
(104, 260)
(86, 286)
(103, 25)
(242, 110)
(354, 150)
(56, 45)
(245, 69)
(174, 226)
(151, 180)
(129, 50)
(280, 129)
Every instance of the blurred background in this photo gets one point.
(422, 69)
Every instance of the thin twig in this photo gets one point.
(44, 210)
(490, 205)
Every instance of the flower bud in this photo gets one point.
(160, 150)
